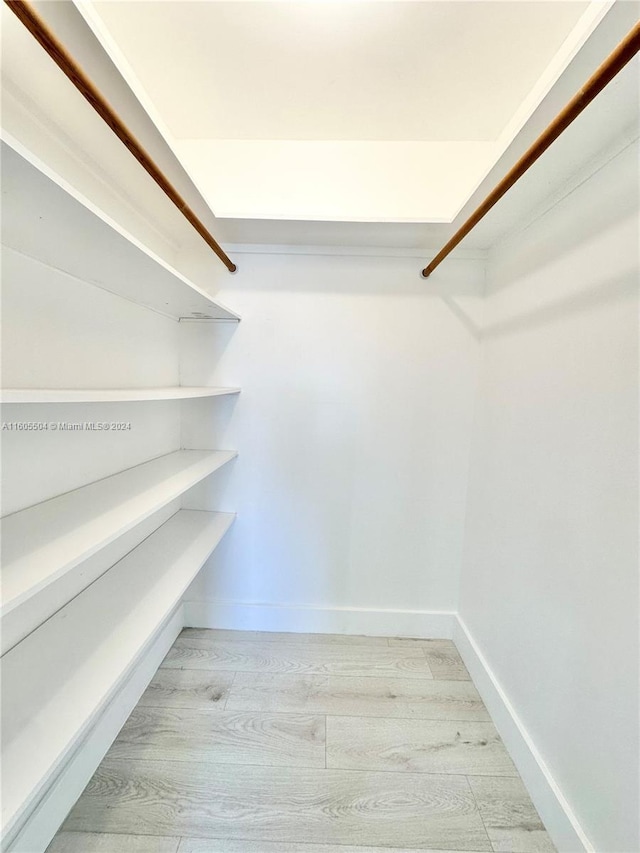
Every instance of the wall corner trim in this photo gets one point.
(556, 813)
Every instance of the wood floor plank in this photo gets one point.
(99, 842)
(422, 746)
(284, 637)
(224, 737)
(188, 688)
(274, 657)
(211, 845)
(442, 656)
(510, 817)
(281, 805)
(360, 697)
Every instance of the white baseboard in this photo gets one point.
(556, 813)
(45, 820)
(319, 620)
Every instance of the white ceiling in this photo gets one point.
(340, 110)
(45, 115)
(338, 69)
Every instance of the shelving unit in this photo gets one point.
(108, 395)
(45, 546)
(92, 578)
(42, 218)
(79, 658)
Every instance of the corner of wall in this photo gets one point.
(556, 813)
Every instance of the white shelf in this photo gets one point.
(67, 671)
(46, 546)
(108, 395)
(42, 218)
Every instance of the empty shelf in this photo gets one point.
(108, 395)
(62, 677)
(44, 546)
(42, 219)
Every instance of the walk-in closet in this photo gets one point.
(320, 426)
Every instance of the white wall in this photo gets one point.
(61, 332)
(353, 426)
(550, 582)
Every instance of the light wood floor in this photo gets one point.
(286, 743)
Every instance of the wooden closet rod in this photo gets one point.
(614, 63)
(71, 69)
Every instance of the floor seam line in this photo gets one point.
(398, 773)
(475, 800)
(326, 738)
(304, 673)
(228, 696)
